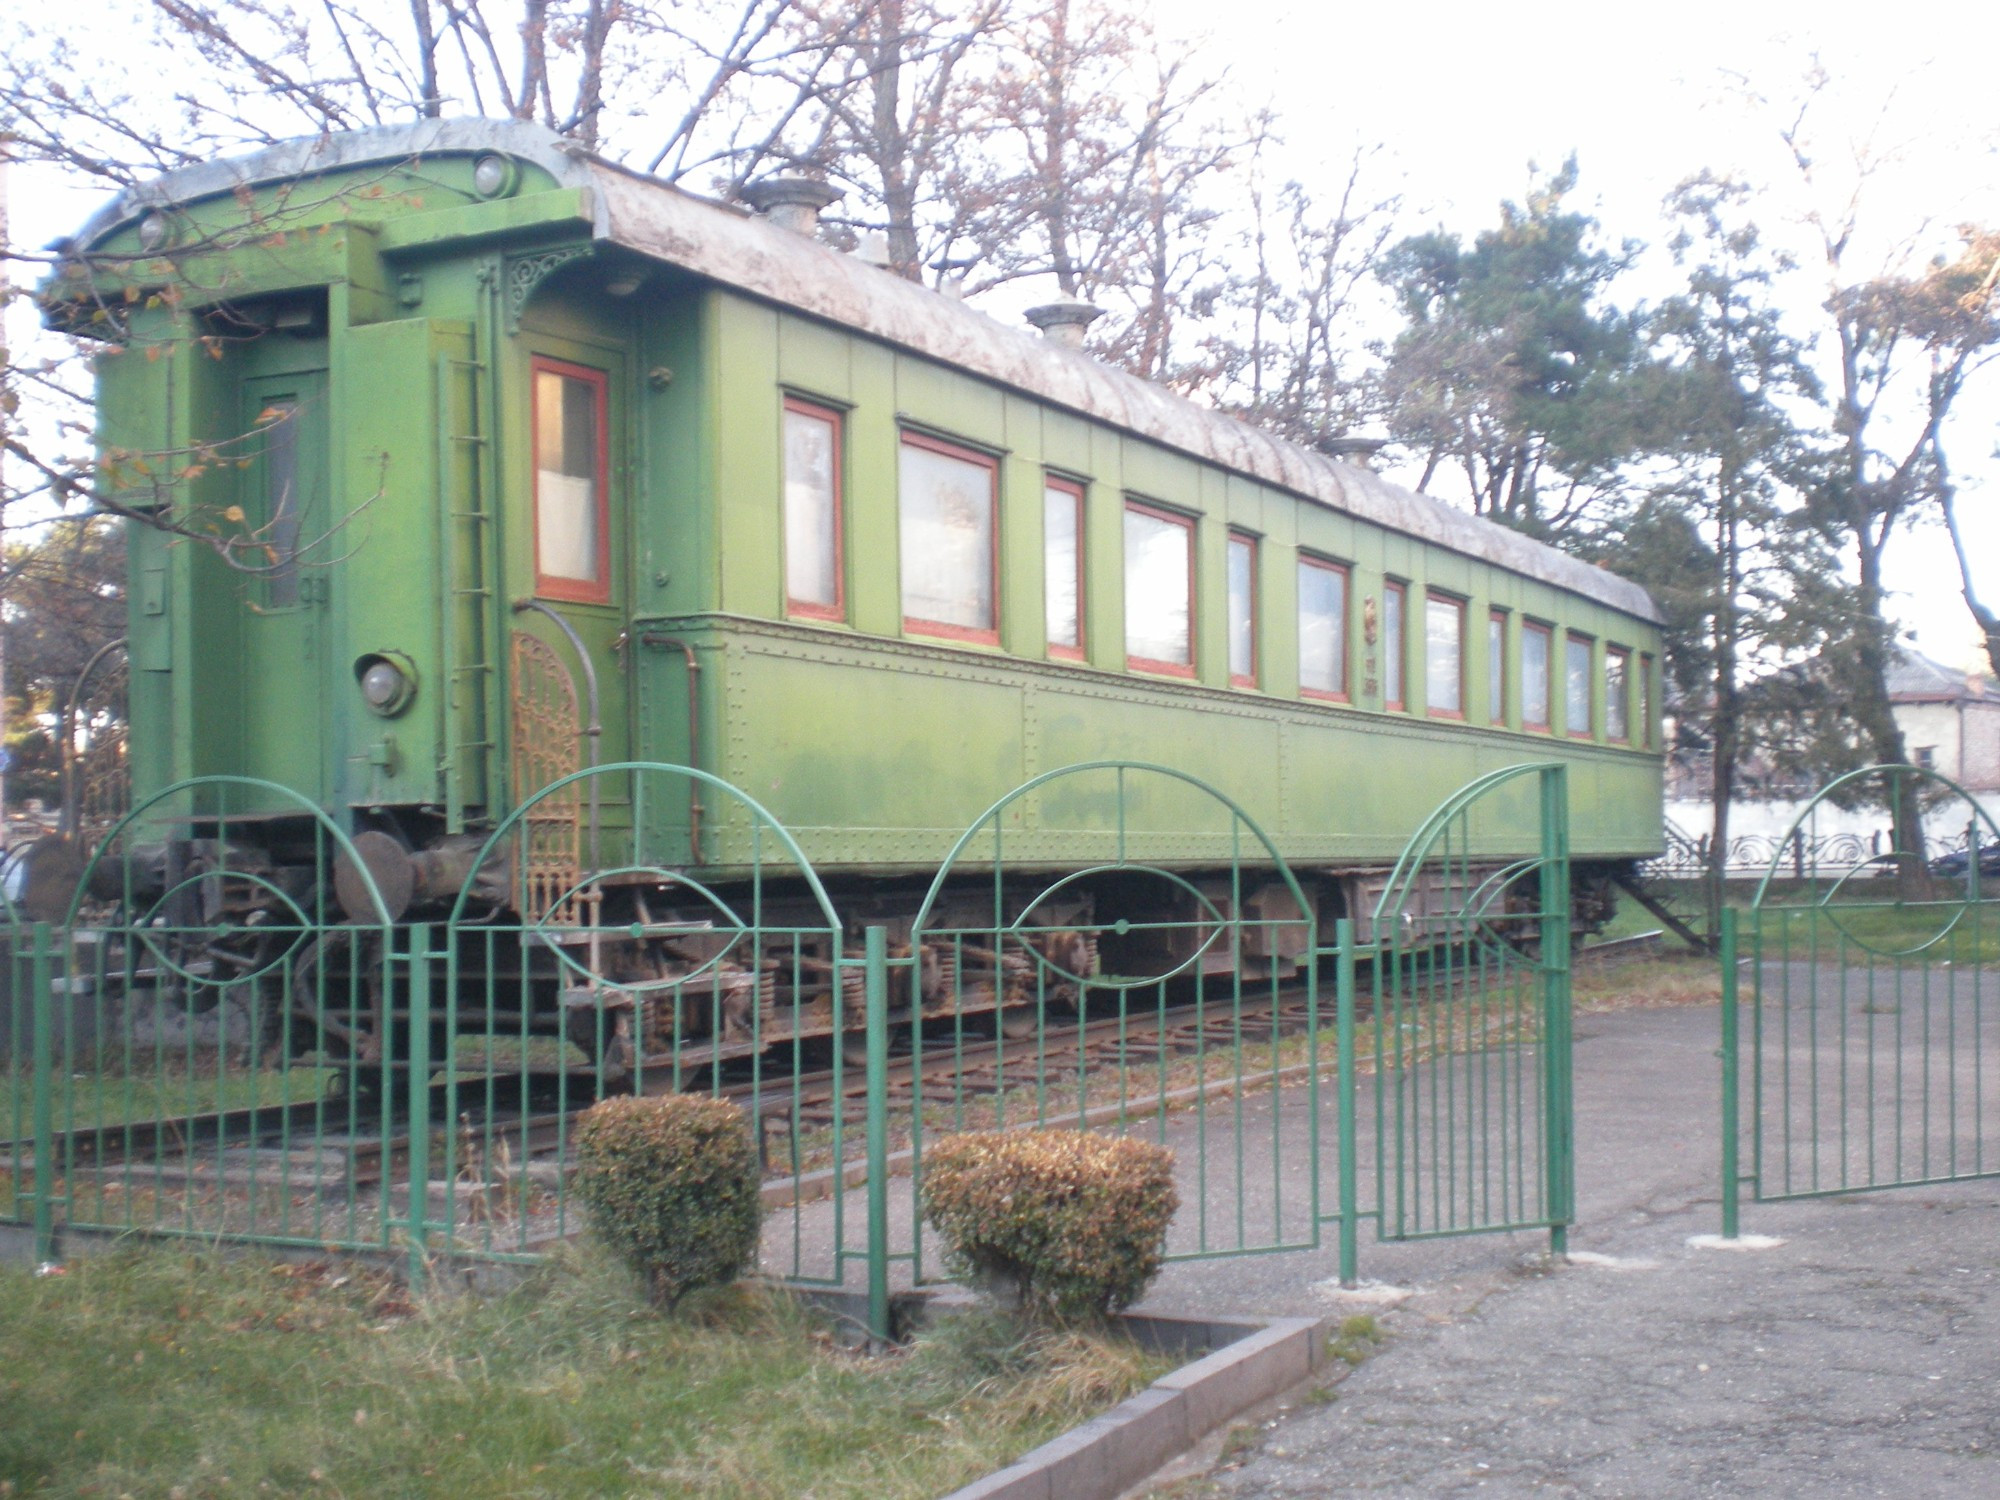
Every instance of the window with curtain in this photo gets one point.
(1159, 590)
(1394, 650)
(1322, 628)
(1537, 646)
(572, 532)
(948, 500)
(1617, 678)
(1242, 610)
(1444, 656)
(1576, 686)
(813, 583)
(1062, 565)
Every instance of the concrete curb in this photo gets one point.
(1110, 1453)
(1235, 1364)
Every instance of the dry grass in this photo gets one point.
(170, 1375)
(1647, 983)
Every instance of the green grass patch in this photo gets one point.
(85, 1099)
(165, 1375)
(1860, 921)
(1856, 932)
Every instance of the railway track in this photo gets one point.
(332, 1143)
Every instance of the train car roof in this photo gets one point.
(727, 245)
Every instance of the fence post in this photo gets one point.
(44, 1089)
(418, 971)
(1731, 1124)
(1350, 1197)
(1560, 1117)
(876, 957)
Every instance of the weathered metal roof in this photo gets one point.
(1915, 677)
(665, 223)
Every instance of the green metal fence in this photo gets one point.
(1157, 984)
(195, 1072)
(1859, 1042)
(17, 1065)
(215, 1047)
(568, 981)
(1467, 1042)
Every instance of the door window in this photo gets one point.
(572, 500)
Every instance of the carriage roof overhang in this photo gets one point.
(725, 245)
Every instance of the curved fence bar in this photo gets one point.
(555, 982)
(1134, 987)
(206, 1077)
(1467, 1038)
(1860, 1042)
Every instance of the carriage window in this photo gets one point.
(1394, 597)
(1576, 686)
(1242, 610)
(1062, 565)
(949, 527)
(278, 430)
(1159, 590)
(1444, 656)
(1322, 629)
(1496, 667)
(1617, 722)
(1536, 645)
(813, 585)
(572, 534)
(1645, 702)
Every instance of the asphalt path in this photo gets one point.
(1858, 1357)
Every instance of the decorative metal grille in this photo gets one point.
(547, 736)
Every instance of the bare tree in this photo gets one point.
(1898, 347)
(1289, 359)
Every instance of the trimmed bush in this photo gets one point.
(671, 1185)
(1075, 1222)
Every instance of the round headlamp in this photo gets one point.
(388, 681)
(495, 176)
(155, 230)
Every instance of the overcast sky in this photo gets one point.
(1464, 97)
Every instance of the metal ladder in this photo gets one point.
(465, 562)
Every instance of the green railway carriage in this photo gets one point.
(509, 460)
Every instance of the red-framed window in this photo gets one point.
(949, 505)
(1496, 666)
(1242, 609)
(815, 564)
(1537, 668)
(1444, 656)
(1062, 565)
(1323, 629)
(1645, 701)
(1395, 644)
(1159, 590)
(1577, 685)
(572, 448)
(1617, 695)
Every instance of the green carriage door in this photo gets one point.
(287, 582)
(577, 554)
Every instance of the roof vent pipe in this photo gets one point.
(1064, 322)
(791, 202)
(1360, 451)
(872, 247)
